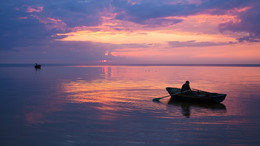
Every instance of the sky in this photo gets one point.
(130, 31)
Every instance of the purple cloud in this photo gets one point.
(76, 13)
(140, 13)
(177, 44)
(249, 23)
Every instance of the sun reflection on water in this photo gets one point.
(121, 88)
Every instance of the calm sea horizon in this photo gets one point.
(68, 104)
(106, 64)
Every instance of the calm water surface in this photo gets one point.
(112, 105)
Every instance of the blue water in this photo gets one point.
(112, 105)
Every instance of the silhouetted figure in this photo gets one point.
(186, 88)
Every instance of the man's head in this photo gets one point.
(187, 82)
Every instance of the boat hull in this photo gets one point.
(37, 66)
(197, 96)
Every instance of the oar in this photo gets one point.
(199, 90)
(157, 99)
(195, 89)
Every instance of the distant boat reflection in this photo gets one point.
(198, 107)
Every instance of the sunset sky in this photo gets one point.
(130, 31)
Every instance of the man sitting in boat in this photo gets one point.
(186, 88)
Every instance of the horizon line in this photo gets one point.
(143, 64)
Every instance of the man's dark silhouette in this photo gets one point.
(186, 88)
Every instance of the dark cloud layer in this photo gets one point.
(15, 31)
(139, 13)
(76, 13)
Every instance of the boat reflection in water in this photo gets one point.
(197, 108)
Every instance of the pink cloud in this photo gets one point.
(31, 9)
(22, 18)
(51, 23)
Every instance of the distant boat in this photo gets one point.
(37, 66)
(198, 95)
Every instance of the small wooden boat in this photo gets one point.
(197, 95)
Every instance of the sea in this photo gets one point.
(79, 105)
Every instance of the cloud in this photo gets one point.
(141, 12)
(193, 43)
(249, 22)
(37, 25)
(60, 16)
(37, 9)
(20, 28)
(76, 13)
(147, 12)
